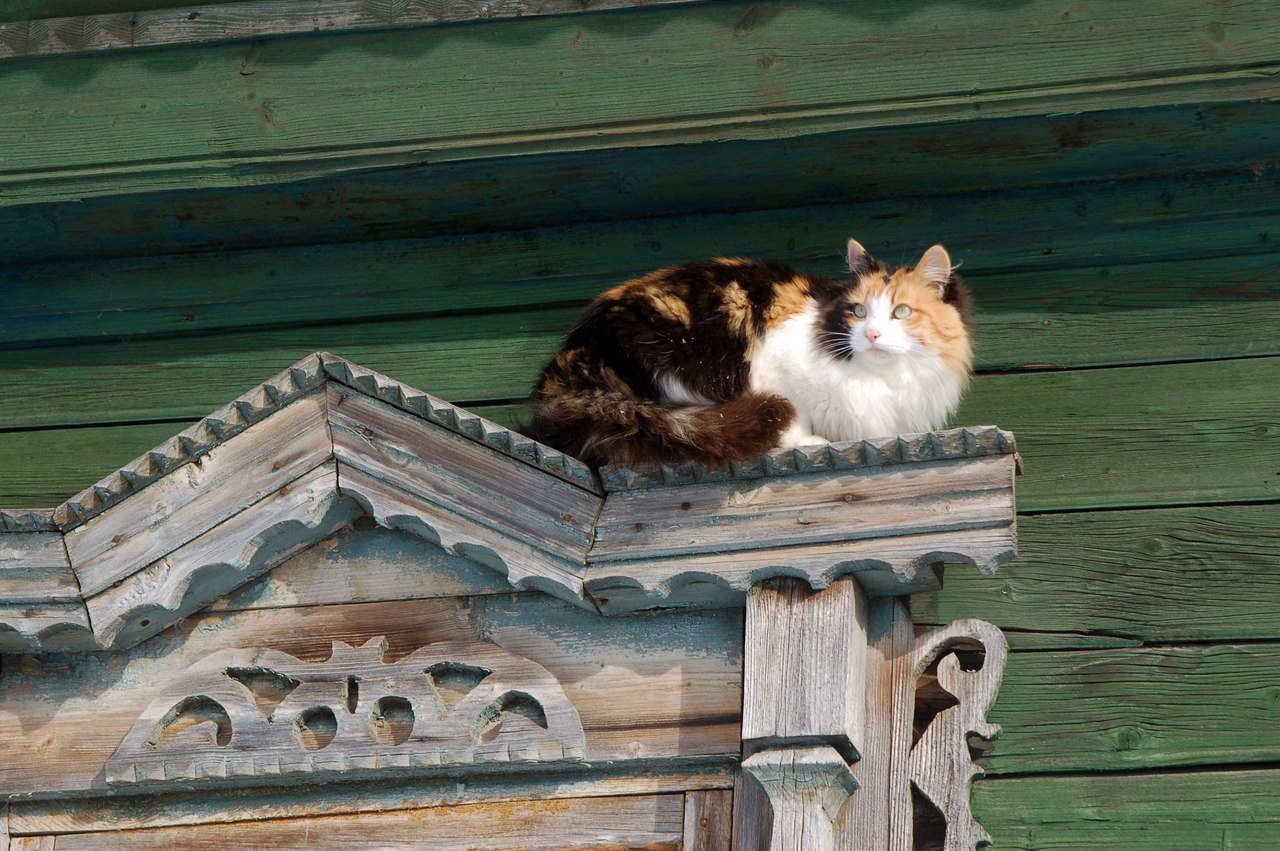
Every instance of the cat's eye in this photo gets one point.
(859, 310)
(902, 311)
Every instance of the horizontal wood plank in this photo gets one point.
(852, 168)
(1183, 811)
(1022, 279)
(208, 115)
(131, 812)
(640, 822)
(1141, 436)
(1203, 573)
(650, 687)
(1137, 708)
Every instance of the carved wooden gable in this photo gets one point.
(340, 603)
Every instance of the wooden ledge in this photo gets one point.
(327, 441)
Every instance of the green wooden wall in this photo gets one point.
(436, 202)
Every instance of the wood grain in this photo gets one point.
(158, 27)
(639, 822)
(215, 111)
(1105, 299)
(804, 662)
(649, 688)
(240, 548)
(708, 820)
(232, 476)
(1137, 708)
(134, 812)
(1142, 812)
(364, 566)
(899, 165)
(461, 476)
(1203, 573)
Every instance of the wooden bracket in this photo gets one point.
(829, 680)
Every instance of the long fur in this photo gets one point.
(729, 358)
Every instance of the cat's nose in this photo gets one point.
(872, 334)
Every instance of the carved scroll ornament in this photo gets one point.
(263, 713)
(940, 765)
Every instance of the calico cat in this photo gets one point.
(729, 358)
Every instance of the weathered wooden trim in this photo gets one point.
(881, 809)
(232, 21)
(40, 601)
(708, 820)
(375, 716)
(227, 479)
(939, 764)
(947, 445)
(299, 456)
(27, 520)
(652, 822)
(122, 811)
(806, 787)
(805, 666)
(222, 559)
(525, 566)
(460, 421)
(193, 443)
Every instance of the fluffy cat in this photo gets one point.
(729, 358)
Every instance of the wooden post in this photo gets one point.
(804, 680)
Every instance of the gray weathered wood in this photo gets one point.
(125, 811)
(258, 715)
(804, 666)
(237, 550)
(651, 690)
(708, 820)
(940, 764)
(469, 478)
(806, 786)
(878, 815)
(40, 603)
(651, 822)
(196, 497)
(225, 21)
(365, 565)
(524, 565)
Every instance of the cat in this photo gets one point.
(725, 359)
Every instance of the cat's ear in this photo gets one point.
(857, 257)
(935, 267)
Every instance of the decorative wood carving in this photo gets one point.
(940, 765)
(804, 666)
(40, 602)
(241, 548)
(162, 27)
(262, 714)
(234, 494)
(806, 789)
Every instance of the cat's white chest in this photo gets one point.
(838, 399)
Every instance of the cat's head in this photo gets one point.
(888, 312)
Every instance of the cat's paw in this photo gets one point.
(796, 435)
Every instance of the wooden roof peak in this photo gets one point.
(327, 441)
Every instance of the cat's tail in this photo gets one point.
(612, 428)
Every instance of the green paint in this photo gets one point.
(214, 115)
(1181, 811)
(1203, 573)
(1136, 708)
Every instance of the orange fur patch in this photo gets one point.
(789, 298)
(933, 322)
